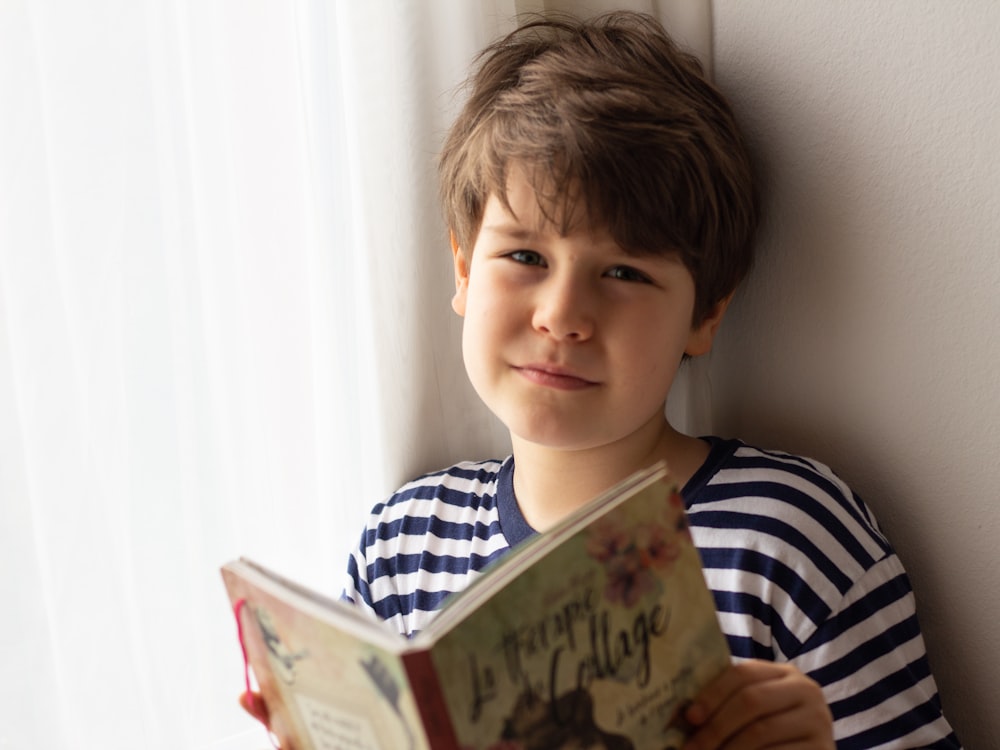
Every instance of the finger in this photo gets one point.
(761, 705)
(803, 727)
(731, 681)
(254, 705)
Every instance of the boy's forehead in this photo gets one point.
(540, 206)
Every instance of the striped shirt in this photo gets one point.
(798, 566)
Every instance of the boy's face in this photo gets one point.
(570, 341)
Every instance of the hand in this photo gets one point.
(760, 704)
(254, 704)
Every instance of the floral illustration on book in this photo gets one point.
(635, 555)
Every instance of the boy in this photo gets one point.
(602, 214)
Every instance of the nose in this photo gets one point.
(564, 309)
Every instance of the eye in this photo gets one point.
(627, 273)
(526, 257)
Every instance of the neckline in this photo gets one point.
(516, 529)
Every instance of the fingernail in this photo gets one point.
(695, 714)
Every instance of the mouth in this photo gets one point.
(552, 376)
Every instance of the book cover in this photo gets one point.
(595, 634)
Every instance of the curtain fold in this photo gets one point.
(224, 330)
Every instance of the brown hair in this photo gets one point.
(611, 112)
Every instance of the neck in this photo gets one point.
(550, 483)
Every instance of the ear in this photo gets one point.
(703, 334)
(461, 276)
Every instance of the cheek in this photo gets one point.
(657, 356)
(481, 331)
(491, 306)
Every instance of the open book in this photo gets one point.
(594, 634)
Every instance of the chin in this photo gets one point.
(553, 428)
(559, 439)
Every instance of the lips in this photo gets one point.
(553, 376)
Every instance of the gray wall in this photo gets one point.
(869, 334)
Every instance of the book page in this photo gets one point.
(334, 729)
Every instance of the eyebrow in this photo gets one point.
(514, 231)
(519, 233)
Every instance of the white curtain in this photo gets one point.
(224, 330)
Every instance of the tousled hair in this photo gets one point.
(612, 113)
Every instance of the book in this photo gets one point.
(594, 634)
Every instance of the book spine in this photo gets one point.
(430, 700)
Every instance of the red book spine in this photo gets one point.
(430, 700)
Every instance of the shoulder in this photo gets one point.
(784, 542)
(448, 503)
(463, 483)
(426, 540)
(796, 500)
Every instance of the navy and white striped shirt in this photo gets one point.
(798, 566)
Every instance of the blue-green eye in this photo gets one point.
(526, 257)
(627, 273)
